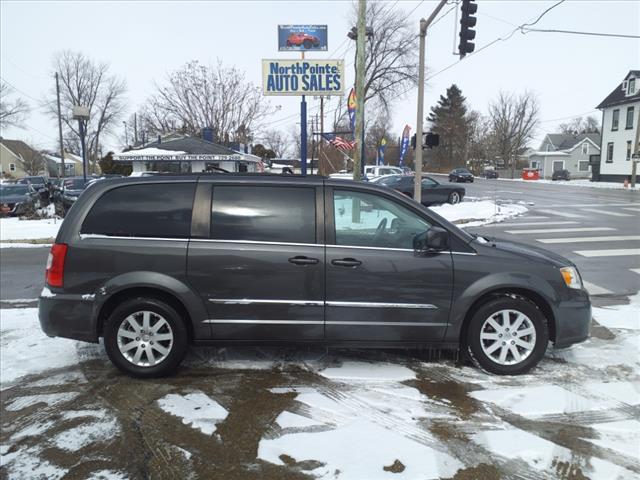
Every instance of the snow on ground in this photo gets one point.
(473, 214)
(580, 182)
(195, 409)
(352, 415)
(16, 229)
(25, 349)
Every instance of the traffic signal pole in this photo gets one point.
(424, 24)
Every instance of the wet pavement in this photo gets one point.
(246, 413)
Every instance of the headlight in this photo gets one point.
(571, 277)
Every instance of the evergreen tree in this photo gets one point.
(107, 165)
(449, 119)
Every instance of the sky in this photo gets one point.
(144, 40)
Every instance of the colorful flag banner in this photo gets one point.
(404, 144)
(381, 149)
(351, 108)
(339, 142)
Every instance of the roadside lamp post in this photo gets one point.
(81, 113)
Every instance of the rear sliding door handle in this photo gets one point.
(346, 262)
(300, 260)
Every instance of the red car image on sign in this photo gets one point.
(300, 38)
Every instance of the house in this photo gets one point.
(560, 151)
(18, 159)
(187, 154)
(72, 165)
(620, 118)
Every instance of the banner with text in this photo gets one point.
(303, 77)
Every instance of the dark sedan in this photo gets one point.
(72, 188)
(489, 173)
(460, 175)
(561, 175)
(433, 193)
(15, 199)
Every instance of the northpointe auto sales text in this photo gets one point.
(303, 76)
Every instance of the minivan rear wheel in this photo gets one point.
(145, 337)
(507, 336)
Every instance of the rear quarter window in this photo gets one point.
(159, 210)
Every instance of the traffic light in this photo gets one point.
(431, 140)
(467, 22)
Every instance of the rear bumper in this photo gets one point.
(573, 319)
(67, 315)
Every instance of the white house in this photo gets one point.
(620, 119)
(188, 155)
(560, 151)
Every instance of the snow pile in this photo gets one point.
(16, 229)
(580, 182)
(473, 214)
(47, 212)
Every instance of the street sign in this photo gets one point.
(303, 77)
(306, 38)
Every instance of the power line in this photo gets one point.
(525, 30)
(568, 117)
(18, 90)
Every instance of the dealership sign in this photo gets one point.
(303, 77)
(302, 38)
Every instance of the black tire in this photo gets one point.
(454, 198)
(178, 346)
(488, 363)
(307, 44)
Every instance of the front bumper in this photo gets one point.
(573, 320)
(67, 315)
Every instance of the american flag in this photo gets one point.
(339, 142)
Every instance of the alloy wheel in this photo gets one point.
(508, 337)
(145, 338)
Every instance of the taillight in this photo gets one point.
(55, 265)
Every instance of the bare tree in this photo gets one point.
(514, 119)
(197, 96)
(12, 112)
(580, 125)
(481, 148)
(32, 160)
(277, 141)
(88, 83)
(391, 61)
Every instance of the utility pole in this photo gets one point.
(135, 129)
(361, 42)
(60, 127)
(636, 153)
(321, 169)
(424, 24)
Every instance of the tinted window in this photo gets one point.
(389, 181)
(366, 220)
(265, 214)
(428, 182)
(153, 210)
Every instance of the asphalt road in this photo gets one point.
(596, 228)
(602, 235)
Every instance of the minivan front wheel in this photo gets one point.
(145, 337)
(507, 336)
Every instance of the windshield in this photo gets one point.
(13, 190)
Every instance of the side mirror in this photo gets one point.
(436, 239)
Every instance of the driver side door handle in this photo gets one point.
(346, 262)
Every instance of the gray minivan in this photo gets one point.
(155, 264)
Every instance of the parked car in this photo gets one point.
(433, 192)
(36, 182)
(15, 199)
(488, 173)
(460, 175)
(72, 188)
(300, 38)
(155, 264)
(346, 175)
(561, 175)
(375, 171)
